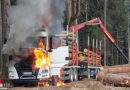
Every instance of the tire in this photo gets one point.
(75, 74)
(95, 74)
(71, 75)
(88, 74)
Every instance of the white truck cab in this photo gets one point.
(23, 71)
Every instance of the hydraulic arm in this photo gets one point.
(103, 30)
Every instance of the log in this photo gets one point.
(122, 79)
(70, 62)
(82, 58)
(70, 43)
(117, 79)
(85, 50)
(90, 52)
(71, 38)
(70, 50)
(70, 35)
(117, 70)
(100, 76)
(86, 57)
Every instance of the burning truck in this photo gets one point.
(43, 63)
(52, 57)
(51, 62)
(36, 53)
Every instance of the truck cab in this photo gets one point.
(22, 69)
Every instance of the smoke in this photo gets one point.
(28, 16)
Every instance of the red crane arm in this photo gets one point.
(82, 25)
(103, 29)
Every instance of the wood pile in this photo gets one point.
(71, 39)
(119, 76)
(83, 56)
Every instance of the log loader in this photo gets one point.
(63, 53)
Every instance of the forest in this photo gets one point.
(114, 15)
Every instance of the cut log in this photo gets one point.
(100, 76)
(117, 70)
(70, 50)
(117, 79)
(85, 50)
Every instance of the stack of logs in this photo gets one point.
(119, 76)
(83, 56)
(71, 39)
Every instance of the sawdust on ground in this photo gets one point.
(85, 84)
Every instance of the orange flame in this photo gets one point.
(40, 44)
(43, 84)
(41, 58)
(60, 83)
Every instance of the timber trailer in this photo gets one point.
(62, 66)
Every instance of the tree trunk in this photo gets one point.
(129, 35)
(68, 13)
(105, 6)
(75, 11)
(4, 8)
(0, 40)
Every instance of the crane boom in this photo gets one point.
(103, 30)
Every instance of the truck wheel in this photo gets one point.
(71, 75)
(97, 70)
(95, 74)
(88, 74)
(54, 80)
(75, 75)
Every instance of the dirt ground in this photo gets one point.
(79, 85)
(85, 84)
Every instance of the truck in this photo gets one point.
(50, 61)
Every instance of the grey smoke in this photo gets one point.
(29, 16)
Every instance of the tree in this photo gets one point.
(0, 41)
(116, 25)
(73, 11)
(4, 8)
(105, 12)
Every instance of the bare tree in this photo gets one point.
(4, 14)
(105, 7)
(129, 35)
(0, 41)
(73, 11)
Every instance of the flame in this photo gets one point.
(43, 84)
(60, 83)
(41, 58)
(40, 44)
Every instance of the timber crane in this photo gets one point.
(97, 21)
(54, 64)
